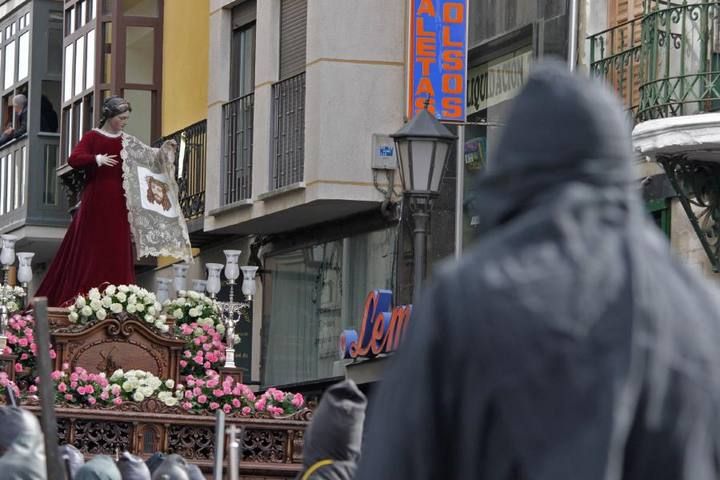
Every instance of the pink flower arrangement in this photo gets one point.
(21, 342)
(204, 348)
(6, 383)
(215, 392)
(82, 388)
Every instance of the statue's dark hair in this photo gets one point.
(112, 107)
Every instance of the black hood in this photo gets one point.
(563, 129)
(335, 432)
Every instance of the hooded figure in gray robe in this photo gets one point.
(22, 448)
(567, 343)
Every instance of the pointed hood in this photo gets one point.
(563, 129)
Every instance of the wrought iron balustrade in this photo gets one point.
(666, 63)
(288, 132)
(237, 148)
(190, 167)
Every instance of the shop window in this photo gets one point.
(139, 8)
(311, 295)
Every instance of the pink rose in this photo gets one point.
(18, 367)
(117, 401)
(260, 404)
(187, 405)
(186, 329)
(53, 355)
(297, 400)
(74, 377)
(197, 341)
(68, 397)
(197, 391)
(245, 411)
(236, 403)
(24, 356)
(81, 390)
(211, 357)
(91, 400)
(202, 399)
(115, 390)
(62, 388)
(23, 342)
(278, 396)
(73, 384)
(32, 389)
(189, 394)
(104, 395)
(227, 408)
(227, 390)
(187, 354)
(65, 366)
(214, 405)
(213, 382)
(89, 389)
(218, 392)
(183, 363)
(207, 364)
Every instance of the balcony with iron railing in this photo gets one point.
(237, 149)
(190, 165)
(665, 63)
(288, 132)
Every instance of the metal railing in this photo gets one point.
(288, 132)
(190, 168)
(237, 149)
(666, 63)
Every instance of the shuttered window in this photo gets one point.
(293, 36)
(626, 15)
(242, 50)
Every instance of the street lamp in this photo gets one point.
(423, 147)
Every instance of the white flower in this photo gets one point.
(171, 401)
(73, 317)
(131, 308)
(151, 310)
(110, 290)
(80, 302)
(193, 294)
(170, 383)
(164, 328)
(117, 375)
(180, 302)
(194, 312)
(128, 385)
(116, 308)
(139, 307)
(71, 308)
(138, 397)
(101, 314)
(12, 306)
(162, 318)
(178, 313)
(95, 304)
(182, 293)
(220, 328)
(86, 311)
(198, 331)
(94, 294)
(123, 288)
(107, 301)
(157, 306)
(132, 299)
(121, 297)
(134, 288)
(149, 318)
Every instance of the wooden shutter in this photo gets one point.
(293, 37)
(626, 15)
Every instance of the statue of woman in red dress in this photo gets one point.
(97, 247)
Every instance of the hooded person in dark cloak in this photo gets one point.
(567, 343)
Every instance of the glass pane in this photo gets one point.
(13, 29)
(20, 177)
(54, 45)
(139, 54)
(72, 21)
(7, 32)
(68, 76)
(23, 55)
(421, 158)
(27, 19)
(82, 9)
(9, 181)
(90, 68)
(92, 9)
(107, 52)
(242, 67)
(140, 123)
(79, 71)
(139, 8)
(51, 179)
(3, 164)
(9, 64)
(49, 106)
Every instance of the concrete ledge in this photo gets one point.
(293, 187)
(696, 136)
(242, 204)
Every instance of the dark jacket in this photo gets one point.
(567, 343)
(333, 439)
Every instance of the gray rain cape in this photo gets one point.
(567, 343)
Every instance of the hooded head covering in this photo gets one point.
(132, 467)
(335, 432)
(560, 132)
(194, 472)
(100, 467)
(75, 458)
(155, 460)
(21, 445)
(173, 467)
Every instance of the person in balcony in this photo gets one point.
(11, 132)
(97, 247)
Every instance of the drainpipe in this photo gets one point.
(572, 33)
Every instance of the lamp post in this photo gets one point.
(423, 147)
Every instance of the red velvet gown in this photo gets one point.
(97, 246)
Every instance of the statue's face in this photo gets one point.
(157, 191)
(118, 122)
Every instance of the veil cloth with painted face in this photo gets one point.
(156, 230)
